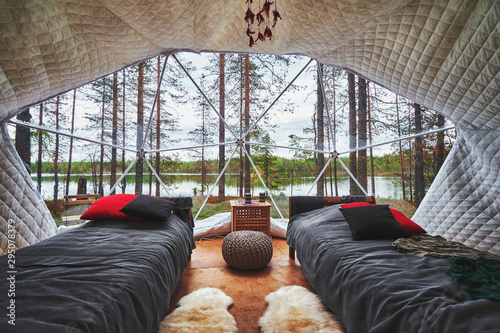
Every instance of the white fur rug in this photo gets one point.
(204, 310)
(296, 309)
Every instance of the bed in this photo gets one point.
(371, 286)
(108, 275)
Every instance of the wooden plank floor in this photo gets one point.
(247, 288)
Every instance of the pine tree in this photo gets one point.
(267, 164)
(320, 143)
(222, 112)
(247, 123)
(124, 181)
(70, 156)
(401, 159)
(440, 150)
(23, 139)
(158, 128)
(203, 134)
(299, 158)
(114, 131)
(352, 132)
(419, 158)
(163, 121)
(40, 146)
(139, 167)
(56, 157)
(265, 80)
(362, 131)
(100, 93)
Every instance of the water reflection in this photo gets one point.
(184, 185)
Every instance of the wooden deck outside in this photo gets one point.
(248, 289)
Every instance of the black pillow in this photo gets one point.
(373, 222)
(149, 208)
(301, 204)
(183, 209)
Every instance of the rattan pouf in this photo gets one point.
(247, 250)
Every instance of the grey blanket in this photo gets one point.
(106, 276)
(372, 287)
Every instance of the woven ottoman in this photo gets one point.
(247, 250)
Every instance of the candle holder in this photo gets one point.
(248, 198)
(262, 197)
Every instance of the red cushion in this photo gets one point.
(108, 208)
(355, 204)
(408, 224)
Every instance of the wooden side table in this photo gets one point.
(255, 216)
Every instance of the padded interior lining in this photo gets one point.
(20, 201)
(442, 54)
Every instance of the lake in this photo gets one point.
(184, 185)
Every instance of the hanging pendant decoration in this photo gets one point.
(262, 18)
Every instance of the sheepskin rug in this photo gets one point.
(204, 310)
(296, 309)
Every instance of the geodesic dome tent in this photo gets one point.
(442, 54)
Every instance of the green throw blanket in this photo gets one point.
(437, 246)
(479, 277)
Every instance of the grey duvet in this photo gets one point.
(105, 276)
(372, 287)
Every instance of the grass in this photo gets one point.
(403, 206)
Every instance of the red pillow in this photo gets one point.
(408, 224)
(355, 204)
(108, 208)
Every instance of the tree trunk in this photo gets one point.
(70, 157)
(203, 170)
(124, 180)
(114, 132)
(23, 139)
(353, 187)
(320, 143)
(334, 131)
(401, 160)
(419, 158)
(440, 144)
(410, 165)
(242, 88)
(140, 121)
(222, 107)
(362, 115)
(40, 150)
(158, 130)
(82, 186)
(247, 122)
(372, 169)
(56, 158)
(150, 171)
(101, 161)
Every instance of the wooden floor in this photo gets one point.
(247, 288)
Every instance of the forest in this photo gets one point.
(183, 126)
